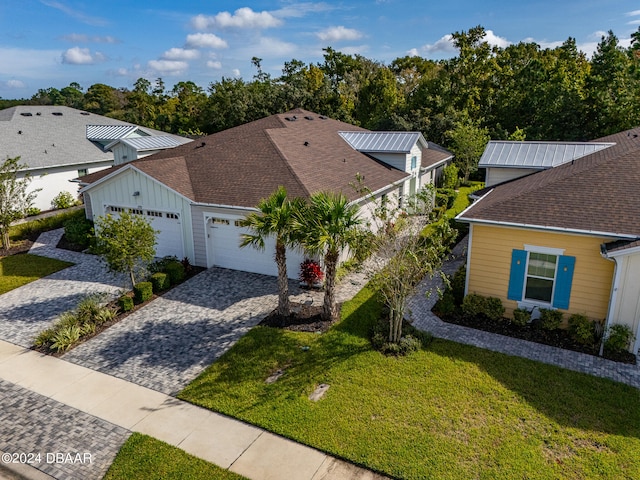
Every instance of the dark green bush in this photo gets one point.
(550, 319)
(457, 284)
(582, 330)
(411, 341)
(125, 303)
(473, 305)
(63, 200)
(78, 231)
(521, 316)
(175, 272)
(160, 281)
(450, 176)
(618, 339)
(446, 304)
(493, 308)
(477, 306)
(142, 292)
(160, 265)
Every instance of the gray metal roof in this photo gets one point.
(158, 142)
(536, 155)
(101, 133)
(45, 136)
(391, 142)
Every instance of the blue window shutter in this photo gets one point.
(564, 279)
(516, 277)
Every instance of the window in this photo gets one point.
(151, 213)
(414, 162)
(220, 221)
(82, 172)
(173, 216)
(541, 275)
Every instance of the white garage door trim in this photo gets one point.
(170, 239)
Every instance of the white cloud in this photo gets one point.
(170, 67)
(634, 22)
(214, 64)
(30, 63)
(633, 13)
(443, 45)
(122, 72)
(205, 40)
(355, 50)
(181, 54)
(82, 38)
(81, 56)
(335, 34)
(242, 18)
(299, 10)
(494, 40)
(236, 72)
(14, 84)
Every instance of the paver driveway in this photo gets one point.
(167, 343)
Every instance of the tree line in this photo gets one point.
(520, 91)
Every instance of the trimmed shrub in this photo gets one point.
(521, 316)
(142, 291)
(125, 303)
(31, 211)
(473, 305)
(175, 272)
(160, 281)
(493, 308)
(160, 265)
(550, 319)
(446, 304)
(78, 231)
(450, 176)
(619, 339)
(582, 330)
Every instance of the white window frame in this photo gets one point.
(529, 303)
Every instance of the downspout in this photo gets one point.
(612, 297)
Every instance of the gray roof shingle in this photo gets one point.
(595, 193)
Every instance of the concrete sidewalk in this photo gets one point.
(228, 443)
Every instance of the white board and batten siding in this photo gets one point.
(497, 175)
(166, 210)
(627, 305)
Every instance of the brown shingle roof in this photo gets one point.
(244, 164)
(596, 193)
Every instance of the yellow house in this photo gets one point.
(566, 238)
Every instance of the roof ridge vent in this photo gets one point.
(26, 114)
(291, 119)
(57, 114)
(308, 117)
(322, 117)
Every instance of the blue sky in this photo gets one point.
(51, 43)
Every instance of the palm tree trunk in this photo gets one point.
(284, 308)
(330, 309)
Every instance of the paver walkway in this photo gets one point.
(422, 302)
(26, 311)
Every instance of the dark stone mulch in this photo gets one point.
(303, 318)
(534, 333)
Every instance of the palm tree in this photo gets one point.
(274, 219)
(327, 226)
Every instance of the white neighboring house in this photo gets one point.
(196, 194)
(59, 144)
(507, 160)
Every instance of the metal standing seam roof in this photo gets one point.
(536, 155)
(148, 143)
(96, 133)
(381, 141)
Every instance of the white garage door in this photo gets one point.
(169, 240)
(223, 250)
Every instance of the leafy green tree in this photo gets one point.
(468, 141)
(126, 243)
(103, 99)
(275, 218)
(328, 226)
(15, 200)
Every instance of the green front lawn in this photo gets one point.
(451, 411)
(145, 458)
(18, 270)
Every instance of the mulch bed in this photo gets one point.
(534, 333)
(303, 318)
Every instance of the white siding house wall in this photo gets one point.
(627, 305)
(118, 191)
(52, 181)
(495, 176)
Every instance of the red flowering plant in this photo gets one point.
(311, 273)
